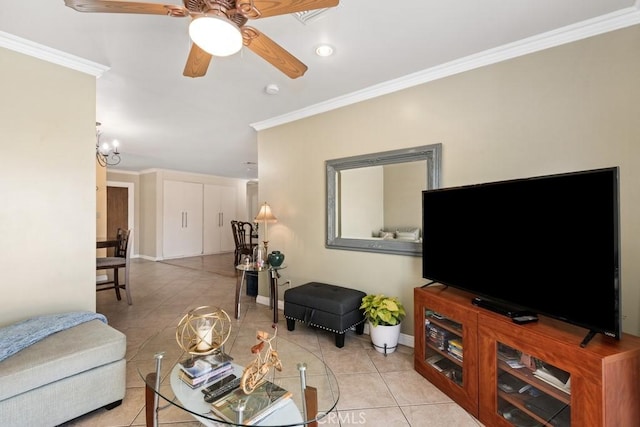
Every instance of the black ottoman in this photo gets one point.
(329, 307)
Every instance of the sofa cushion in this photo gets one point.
(61, 355)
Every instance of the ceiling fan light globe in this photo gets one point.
(216, 35)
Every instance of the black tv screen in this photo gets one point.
(546, 244)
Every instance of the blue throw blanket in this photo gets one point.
(14, 338)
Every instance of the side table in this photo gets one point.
(274, 275)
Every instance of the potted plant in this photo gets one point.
(384, 315)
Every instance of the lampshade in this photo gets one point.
(216, 35)
(265, 215)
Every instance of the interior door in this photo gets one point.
(117, 211)
(219, 210)
(228, 211)
(182, 223)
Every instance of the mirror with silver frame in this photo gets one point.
(374, 201)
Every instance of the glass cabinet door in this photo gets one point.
(444, 348)
(531, 392)
(446, 345)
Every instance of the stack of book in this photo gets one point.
(263, 401)
(455, 349)
(555, 377)
(198, 371)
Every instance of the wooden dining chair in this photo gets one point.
(243, 236)
(119, 261)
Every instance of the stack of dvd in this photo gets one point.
(455, 349)
(437, 336)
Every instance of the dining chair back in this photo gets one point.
(243, 235)
(120, 261)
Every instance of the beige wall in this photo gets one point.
(564, 109)
(101, 211)
(48, 187)
(101, 202)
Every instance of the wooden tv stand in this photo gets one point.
(471, 354)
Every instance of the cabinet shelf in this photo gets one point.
(519, 401)
(527, 376)
(445, 323)
(445, 354)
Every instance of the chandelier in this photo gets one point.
(106, 154)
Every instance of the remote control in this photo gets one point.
(521, 320)
(221, 388)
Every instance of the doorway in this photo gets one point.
(120, 196)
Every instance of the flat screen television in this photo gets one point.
(549, 245)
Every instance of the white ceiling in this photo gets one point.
(165, 120)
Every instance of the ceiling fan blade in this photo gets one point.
(197, 62)
(281, 7)
(272, 52)
(112, 6)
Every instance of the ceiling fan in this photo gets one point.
(227, 18)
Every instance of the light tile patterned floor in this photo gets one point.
(374, 390)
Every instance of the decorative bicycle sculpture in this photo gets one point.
(255, 372)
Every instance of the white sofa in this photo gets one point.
(63, 376)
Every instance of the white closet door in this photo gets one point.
(228, 201)
(219, 210)
(212, 219)
(182, 223)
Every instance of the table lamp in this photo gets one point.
(265, 216)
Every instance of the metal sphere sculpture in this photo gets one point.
(203, 330)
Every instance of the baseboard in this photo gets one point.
(266, 301)
(404, 339)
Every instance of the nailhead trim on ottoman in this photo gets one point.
(330, 307)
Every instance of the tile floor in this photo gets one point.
(374, 390)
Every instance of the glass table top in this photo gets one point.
(294, 359)
(255, 268)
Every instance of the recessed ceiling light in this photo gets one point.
(324, 50)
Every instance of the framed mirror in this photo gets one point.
(374, 201)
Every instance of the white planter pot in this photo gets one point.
(381, 335)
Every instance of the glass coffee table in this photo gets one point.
(313, 386)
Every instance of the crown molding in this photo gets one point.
(123, 172)
(591, 27)
(48, 54)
